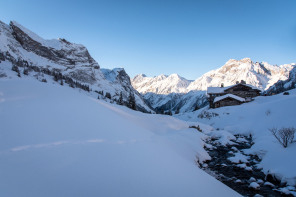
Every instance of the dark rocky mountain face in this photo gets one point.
(67, 54)
(176, 102)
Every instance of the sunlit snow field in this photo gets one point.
(57, 141)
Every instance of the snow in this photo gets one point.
(160, 91)
(260, 75)
(161, 84)
(254, 185)
(57, 141)
(260, 181)
(84, 67)
(218, 90)
(219, 98)
(252, 118)
(222, 137)
(239, 158)
(269, 184)
(54, 43)
(215, 90)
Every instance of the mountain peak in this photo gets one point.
(234, 61)
(162, 84)
(246, 60)
(175, 76)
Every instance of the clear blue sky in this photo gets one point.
(165, 37)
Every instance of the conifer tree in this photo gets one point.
(132, 102)
(120, 101)
(108, 95)
(26, 72)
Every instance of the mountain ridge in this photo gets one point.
(165, 96)
(261, 75)
(61, 59)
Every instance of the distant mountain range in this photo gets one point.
(175, 93)
(261, 75)
(161, 84)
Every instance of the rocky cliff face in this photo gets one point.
(25, 49)
(60, 51)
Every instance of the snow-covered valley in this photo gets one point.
(66, 130)
(256, 118)
(57, 141)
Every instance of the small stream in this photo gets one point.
(243, 175)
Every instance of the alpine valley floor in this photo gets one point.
(58, 141)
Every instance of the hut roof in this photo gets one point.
(219, 90)
(219, 98)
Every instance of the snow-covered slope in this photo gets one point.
(161, 84)
(261, 75)
(176, 102)
(282, 86)
(23, 48)
(257, 118)
(57, 141)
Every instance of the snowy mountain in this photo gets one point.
(35, 56)
(176, 102)
(282, 86)
(161, 84)
(175, 93)
(261, 75)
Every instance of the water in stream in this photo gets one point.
(242, 175)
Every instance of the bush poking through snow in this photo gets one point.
(284, 135)
(206, 114)
(267, 112)
(196, 127)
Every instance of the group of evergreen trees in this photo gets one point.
(130, 103)
(57, 76)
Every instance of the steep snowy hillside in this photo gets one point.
(257, 118)
(261, 75)
(35, 56)
(161, 84)
(176, 102)
(282, 86)
(56, 141)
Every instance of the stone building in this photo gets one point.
(231, 95)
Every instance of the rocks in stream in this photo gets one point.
(239, 171)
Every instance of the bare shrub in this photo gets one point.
(284, 135)
(267, 112)
(206, 114)
(196, 127)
